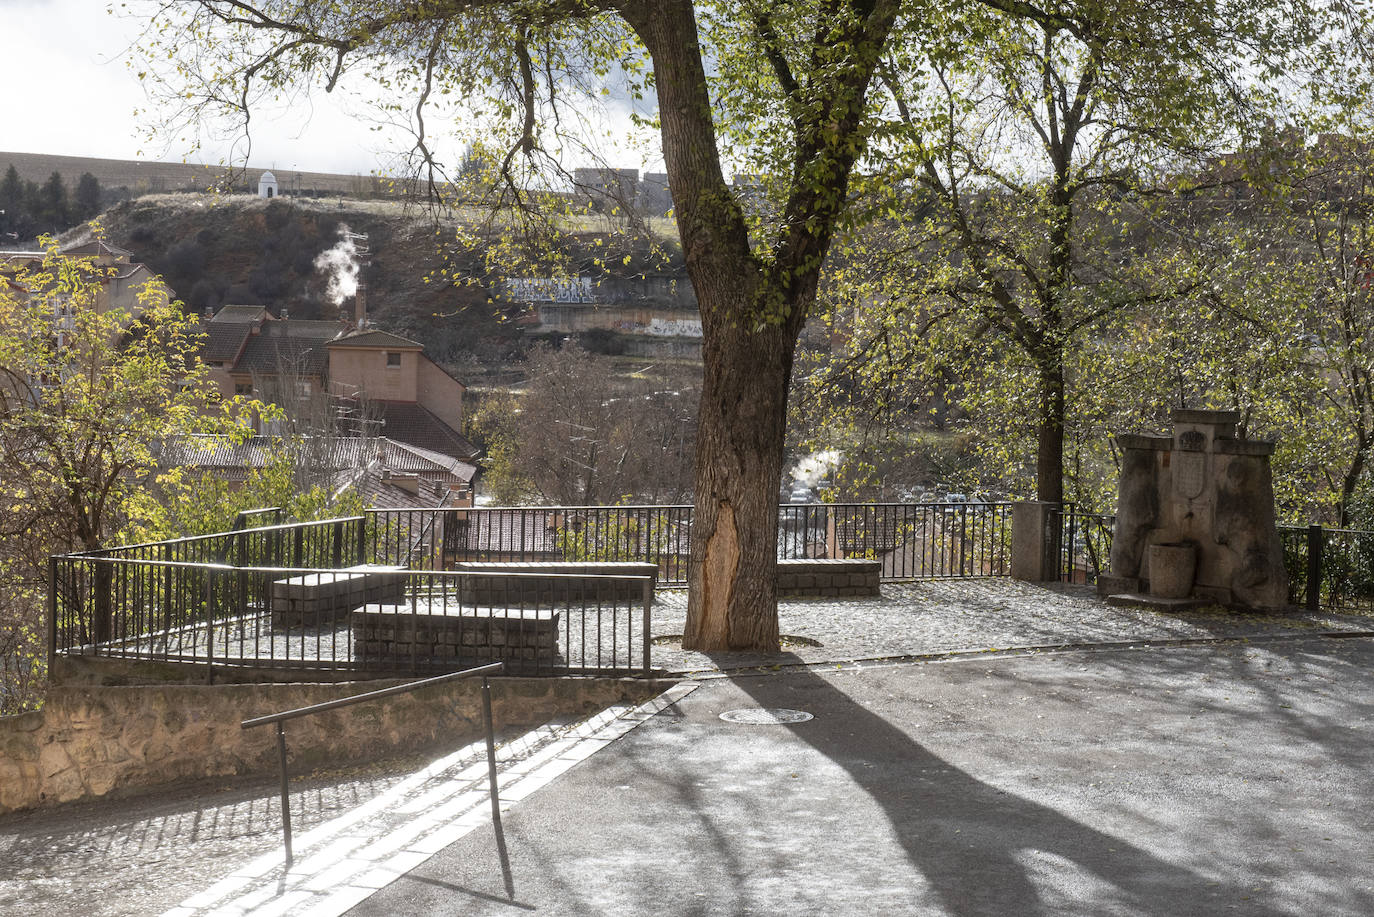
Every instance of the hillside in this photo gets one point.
(219, 249)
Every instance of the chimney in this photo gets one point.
(360, 305)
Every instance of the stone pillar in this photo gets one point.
(1034, 541)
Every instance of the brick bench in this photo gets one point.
(312, 599)
(535, 585)
(435, 633)
(817, 577)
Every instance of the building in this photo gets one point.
(123, 283)
(383, 471)
(371, 383)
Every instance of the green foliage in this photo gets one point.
(1036, 277)
(86, 396)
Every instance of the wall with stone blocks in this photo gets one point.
(828, 577)
(91, 741)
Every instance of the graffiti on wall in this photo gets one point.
(675, 327)
(550, 289)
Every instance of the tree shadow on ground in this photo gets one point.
(976, 844)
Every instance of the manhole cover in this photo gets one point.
(765, 716)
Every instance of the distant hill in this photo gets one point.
(141, 176)
(215, 249)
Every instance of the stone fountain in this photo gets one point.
(1195, 519)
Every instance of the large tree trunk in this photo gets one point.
(752, 308)
(1049, 459)
(732, 602)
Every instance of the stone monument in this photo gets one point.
(1195, 519)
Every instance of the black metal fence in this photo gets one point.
(374, 619)
(913, 540)
(1084, 544)
(438, 538)
(325, 543)
(286, 595)
(1329, 568)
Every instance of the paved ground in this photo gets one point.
(1231, 777)
(1191, 781)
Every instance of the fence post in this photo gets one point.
(648, 595)
(1316, 546)
(52, 614)
(337, 542)
(362, 539)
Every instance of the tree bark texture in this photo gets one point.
(1049, 460)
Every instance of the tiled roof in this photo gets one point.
(223, 341)
(408, 422)
(499, 531)
(341, 453)
(240, 314)
(97, 247)
(405, 457)
(375, 339)
(377, 491)
(294, 346)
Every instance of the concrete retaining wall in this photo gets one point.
(91, 741)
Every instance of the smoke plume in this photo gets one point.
(814, 467)
(340, 266)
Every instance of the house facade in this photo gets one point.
(375, 383)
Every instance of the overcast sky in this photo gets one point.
(67, 91)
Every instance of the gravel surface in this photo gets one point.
(942, 616)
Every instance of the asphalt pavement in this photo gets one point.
(1232, 779)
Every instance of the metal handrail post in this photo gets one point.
(491, 753)
(285, 789)
(648, 615)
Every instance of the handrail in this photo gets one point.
(490, 668)
(188, 539)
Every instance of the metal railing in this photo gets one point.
(1084, 544)
(323, 543)
(1329, 568)
(439, 538)
(913, 540)
(374, 619)
(280, 719)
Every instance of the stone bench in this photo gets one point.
(440, 634)
(542, 582)
(830, 578)
(312, 599)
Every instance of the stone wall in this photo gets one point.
(508, 583)
(829, 577)
(525, 638)
(92, 741)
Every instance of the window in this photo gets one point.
(393, 361)
(243, 388)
